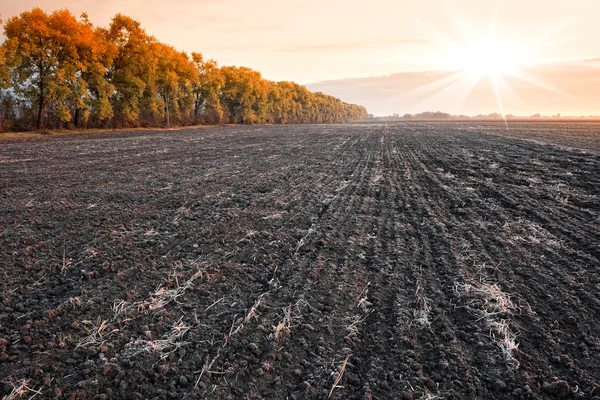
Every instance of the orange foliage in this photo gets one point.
(64, 72)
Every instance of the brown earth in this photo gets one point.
(381, 261)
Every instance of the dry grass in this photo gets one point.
(355, 322)
(495, 301)
(339, 376)
(214, 304)
(429, 396)
(62, 132)
(118, 308)
(170, 342)
(20, 389)
(302, 241)
(96, 331)
(252, 313)
(206, 369)
(422, 314)
(291, 314)
(495, 307)
(506, 341)
(521, 231)
(283, 329)
(181, 212)
(164, 294)
(363, 298)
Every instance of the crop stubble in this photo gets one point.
(354, 261)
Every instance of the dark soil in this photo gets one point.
(413, 261)
(582, 135)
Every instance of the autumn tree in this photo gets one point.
(277, 104)
(207, 89)
(176, 77)
(48, 55)
(60, 70)
(133, 72)
(97, 60)
(244, 94)
(6, 99)
(4, 70)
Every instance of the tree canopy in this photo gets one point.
(57, 71)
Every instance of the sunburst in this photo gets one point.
(485, 55)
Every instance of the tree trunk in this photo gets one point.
(167, 108)
(197, 105)
(40, 117)
(76, 117)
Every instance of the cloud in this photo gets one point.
(339, 47)
(569, 88)
(353, 45)
(245, 27)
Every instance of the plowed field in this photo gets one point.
(383, 261)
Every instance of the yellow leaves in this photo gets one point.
(134, 69)
(71, 70)
(53, 55)
(4, 71)
(175, 78)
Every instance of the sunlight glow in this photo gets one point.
(487, 58)
(476, 55)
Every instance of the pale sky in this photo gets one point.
(310, 41)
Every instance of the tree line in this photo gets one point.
(57, 71)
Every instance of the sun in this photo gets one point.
(488, 58)
(474, 56)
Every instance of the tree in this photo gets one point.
(278, 103)
(244, 94)
(207, 89)
(6, 100)
(57, 70)
(175, 79)
(133, 71)
(46, 54)
(97, 60)
(4, 70)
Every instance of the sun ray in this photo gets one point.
(494, 82)
(531, 78)
(507, 88)
(435, 86)
(486, 54)
(458, 92)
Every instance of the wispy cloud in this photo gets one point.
(353, 45)
(575, 83)
(246, 27)
(339, 47)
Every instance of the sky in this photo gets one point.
(460, 56)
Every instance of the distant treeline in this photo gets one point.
(438, 115)
(60, 72)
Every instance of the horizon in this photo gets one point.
(489, 116)
(468, 58)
